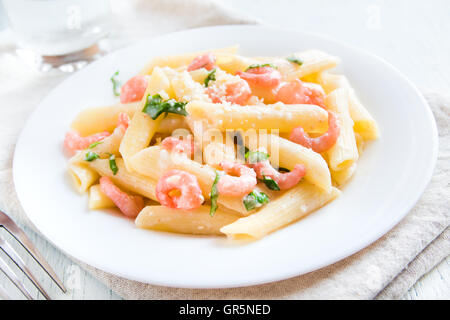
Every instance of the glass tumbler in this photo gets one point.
(63, 34)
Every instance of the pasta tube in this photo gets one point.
(177, 61)
(277, 116)
(345, 151)
(287, 154)
(291, 206)
(133, 182)
(82, 176)
(196, 221)
(142, 127)
(98, 200)
(364, 124)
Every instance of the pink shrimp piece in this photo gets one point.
(73, 141)
(179, 189)
(295, 92)
(133, 89)
(185, 146)
(265, 77)
(129, 205)
(239, 185)
(235, 92)
(284, 180)
(124, 121)
(263, 82)
(207, 61)
(321, 143)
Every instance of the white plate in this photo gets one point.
(392, 173)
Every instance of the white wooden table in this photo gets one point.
(412, 35)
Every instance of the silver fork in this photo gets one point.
(9, 225)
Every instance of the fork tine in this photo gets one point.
(10, 252)
(23, 239)
(14, 279)
(3, 294)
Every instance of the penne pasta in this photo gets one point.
(312, 61)
(343, 176)
(287, 154)
(289, 207)
(142, 127)
(99, 119)
(277, 116)
(197, 221)
(208, 151)
(98, 200)
(180, 60)
(109, 145)
(82, 176)
(345, 151)
(154, 161)
(364, 124)
(233, 63)
(133, 182)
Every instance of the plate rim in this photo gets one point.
(351, 249)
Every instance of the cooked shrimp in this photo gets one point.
(73, 141)
(321, 143)
(284, 180)
(294, 92)
(235, 92)
(263, 82)
(179, 189)
(207, 61)
(262, 77)
(236, 186)
(129, 205)
(124, 121)
(181, 146)
(133, 89)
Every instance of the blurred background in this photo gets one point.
(410, 34)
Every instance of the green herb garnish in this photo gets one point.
(155, 106)
(294, 59)
(254, 200)
(214, 195)
(270, 183)
(113, 164)
(116, 83)
(91, 156)
(256, 156)
(256, 65)
(93, 145)
(210, 77)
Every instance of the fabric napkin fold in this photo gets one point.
(385, 270)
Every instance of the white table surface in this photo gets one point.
(412, 35)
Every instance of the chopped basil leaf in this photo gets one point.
(155, 106)
(254, 200)
(294, 59)
(116, 83)
(210, 77)
(91, 156)
(93, 145)
(113, 164)
(270, 183)
(281, 169)
(214, 195)
(256, 156)
(256, 65)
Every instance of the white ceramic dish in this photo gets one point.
(391, 176)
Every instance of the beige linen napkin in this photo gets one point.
(386, 269)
